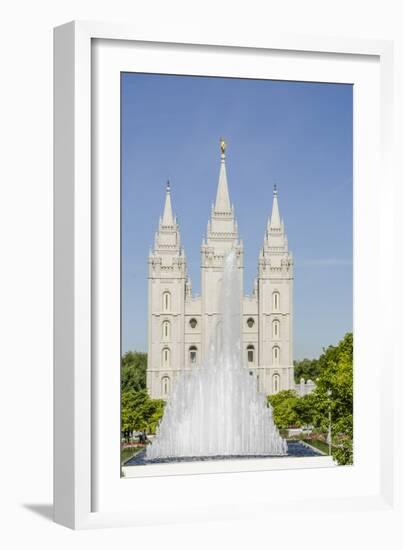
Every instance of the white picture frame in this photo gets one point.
(88, 492)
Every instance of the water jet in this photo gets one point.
(216, 409)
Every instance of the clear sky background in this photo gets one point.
(297, 135)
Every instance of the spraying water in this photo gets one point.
(216, 410)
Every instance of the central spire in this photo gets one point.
(168, 218)
(222, 202)
(275, 221)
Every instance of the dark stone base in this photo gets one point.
(295, 449)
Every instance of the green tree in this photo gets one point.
(306, 409)
(284, 409)
(309, 369)
(133, 371)
(334, 394)
(343, 440)
(155, 417)
(140, 412)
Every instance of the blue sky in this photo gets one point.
(295, 134)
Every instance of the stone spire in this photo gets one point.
(222, 229)
(222, 202)
(167, 238)
(167, 218)
(274, 255)
(275, 221)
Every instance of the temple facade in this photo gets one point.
(180, 324)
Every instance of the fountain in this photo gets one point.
(216, 410)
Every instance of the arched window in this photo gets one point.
(276, 355)
(276, 300)
(166, 301)
(250, 352)
(166, 331)
(165, 386)
(166, 357)
(276, 383)
(250, 322)
(193, 323)
(193, 354)
(276, 329)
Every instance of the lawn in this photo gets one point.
(318, 444)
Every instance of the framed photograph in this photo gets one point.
(186, 399)
(221, 222)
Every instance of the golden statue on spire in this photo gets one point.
(223, 145)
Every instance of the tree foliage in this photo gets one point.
(308, 369)
(138, 411)
(133, 371)
(333, 393)
(305, 408)
(284, 409)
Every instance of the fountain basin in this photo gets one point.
(295, 449)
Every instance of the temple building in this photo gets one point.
(180, 324)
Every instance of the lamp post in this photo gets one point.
(329, 435)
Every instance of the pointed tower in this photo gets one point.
(222, 236)
(167, 279)
(275, 304)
